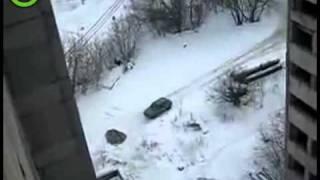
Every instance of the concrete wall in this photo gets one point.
(17, 161)
(298, 115)
(41, 93)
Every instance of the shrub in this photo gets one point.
(246, 10)
(122, 43)
(270, 154)
(230, 91)
(170, 16)
(85, 63)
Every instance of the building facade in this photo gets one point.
(43, 137)
(301, 137)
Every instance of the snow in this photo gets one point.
(73, 17)
(182, 68)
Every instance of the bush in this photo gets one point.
(81, 66)
(160, 16)
(122, 44)
(270, 155)
(85, 63)
(198, 11)
(237, 10)
(230, 91)
(170, 16)
(246, 10)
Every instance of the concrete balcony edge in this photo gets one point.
(303, 58)
(302, 121)
(304, 19)
(292, 175)
(303, 91)
(302, 157)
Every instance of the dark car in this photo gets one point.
(158, 107)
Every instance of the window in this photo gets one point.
(314, 149)
(295, 166)
(300, 74)
(309, 8)
(314, 82)
(306, 7)
(296, 102)
(301, 36)
(313, 177)
(297, 136)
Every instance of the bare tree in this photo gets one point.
(246, 10)
(237, 10)
(176, 10)
(270, 154)
(123, 39)
(84, 63)
(197, 13)
(163, 16)
(74, 58)
(231, 91)
(99, 56)
(255, 8)
(150, 14)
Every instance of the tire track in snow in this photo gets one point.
(229, 145)
(274, 41)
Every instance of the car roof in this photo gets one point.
(160, 101)
(163, 99)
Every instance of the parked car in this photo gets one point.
(158, 107)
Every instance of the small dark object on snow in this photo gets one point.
(180, 168)
(203, 178)
(194, 126)
(205, 132)
(185, 45)
(115, 137)
(117, 62)
(113, 175)
(157, 108)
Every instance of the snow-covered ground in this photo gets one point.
(155, 149)
(73, 17)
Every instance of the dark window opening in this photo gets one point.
(295, 166)
(300, 74)
(300, 105)
(301, 37)
(314, 83)
(297, 136)
(313, 177)
(305, 7)
(314, 149)
(309, 8)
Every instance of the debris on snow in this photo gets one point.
(194, 126)
(115, 137)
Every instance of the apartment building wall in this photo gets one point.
(301, 139)
(49, 143)
(17, 163)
